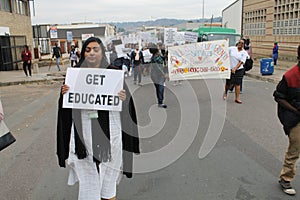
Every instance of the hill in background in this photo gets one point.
(161, 22)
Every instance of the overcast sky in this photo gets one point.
(66, 11)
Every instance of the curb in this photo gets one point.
(31, 81)
(263, 78)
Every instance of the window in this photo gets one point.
(5, 5)
(22, 7)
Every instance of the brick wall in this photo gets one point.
(262, 44)
(18, 25)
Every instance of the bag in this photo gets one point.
(248, 64)
(6, 138)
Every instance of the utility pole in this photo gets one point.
(203, 13)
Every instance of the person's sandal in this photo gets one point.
(238, 101)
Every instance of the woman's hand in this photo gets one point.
(64, 89)
(122, 95)
(167, 77)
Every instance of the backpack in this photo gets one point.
(248, 64)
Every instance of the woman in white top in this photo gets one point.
(238, 57)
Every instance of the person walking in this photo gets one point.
(57, 54)
(137, 59)
(238, 57)
(275, 53)
(73, 56)
(26, 58)
(288, 99)
(98, 144)
(159, 74)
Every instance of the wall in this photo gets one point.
(18, 25)
(262, 44)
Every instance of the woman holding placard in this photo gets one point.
(98, 144)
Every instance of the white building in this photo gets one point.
(232, 16)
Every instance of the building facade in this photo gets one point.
(45, 36)
(15, 32)
(269, 21)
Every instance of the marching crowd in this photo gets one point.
(99, 145)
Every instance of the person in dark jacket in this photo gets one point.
(57, 54)
(287, 95)
(97, 143)
(26, 58)
(159, 74)
(137, 59)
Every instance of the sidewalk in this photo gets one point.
(43, 74)
(17, 77)
(279, 70)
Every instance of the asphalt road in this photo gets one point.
(199, 148)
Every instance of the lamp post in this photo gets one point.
(203, 13)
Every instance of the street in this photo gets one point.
(199, 148)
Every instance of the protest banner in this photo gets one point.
(202, 60)
(93, 89)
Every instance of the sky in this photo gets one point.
(105, 11)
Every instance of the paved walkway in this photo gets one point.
(44, 74)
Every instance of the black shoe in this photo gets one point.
(162, 105)
(134, 82)
(287, 187)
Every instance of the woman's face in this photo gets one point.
(93, 55)
(240, 44)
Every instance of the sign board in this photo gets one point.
(85, 36)
(93, 89)
(119, 49)
(4, 30)
(191, 36)
(170, 36)
(53, 32)
(180, 40)
(69, 36)
(147, 56)
(202, 60)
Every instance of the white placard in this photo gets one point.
(147, 55)
(170, 36)
(119, 49)
(93, 89)
(180, 40)
(201, 60)
(191, 36)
